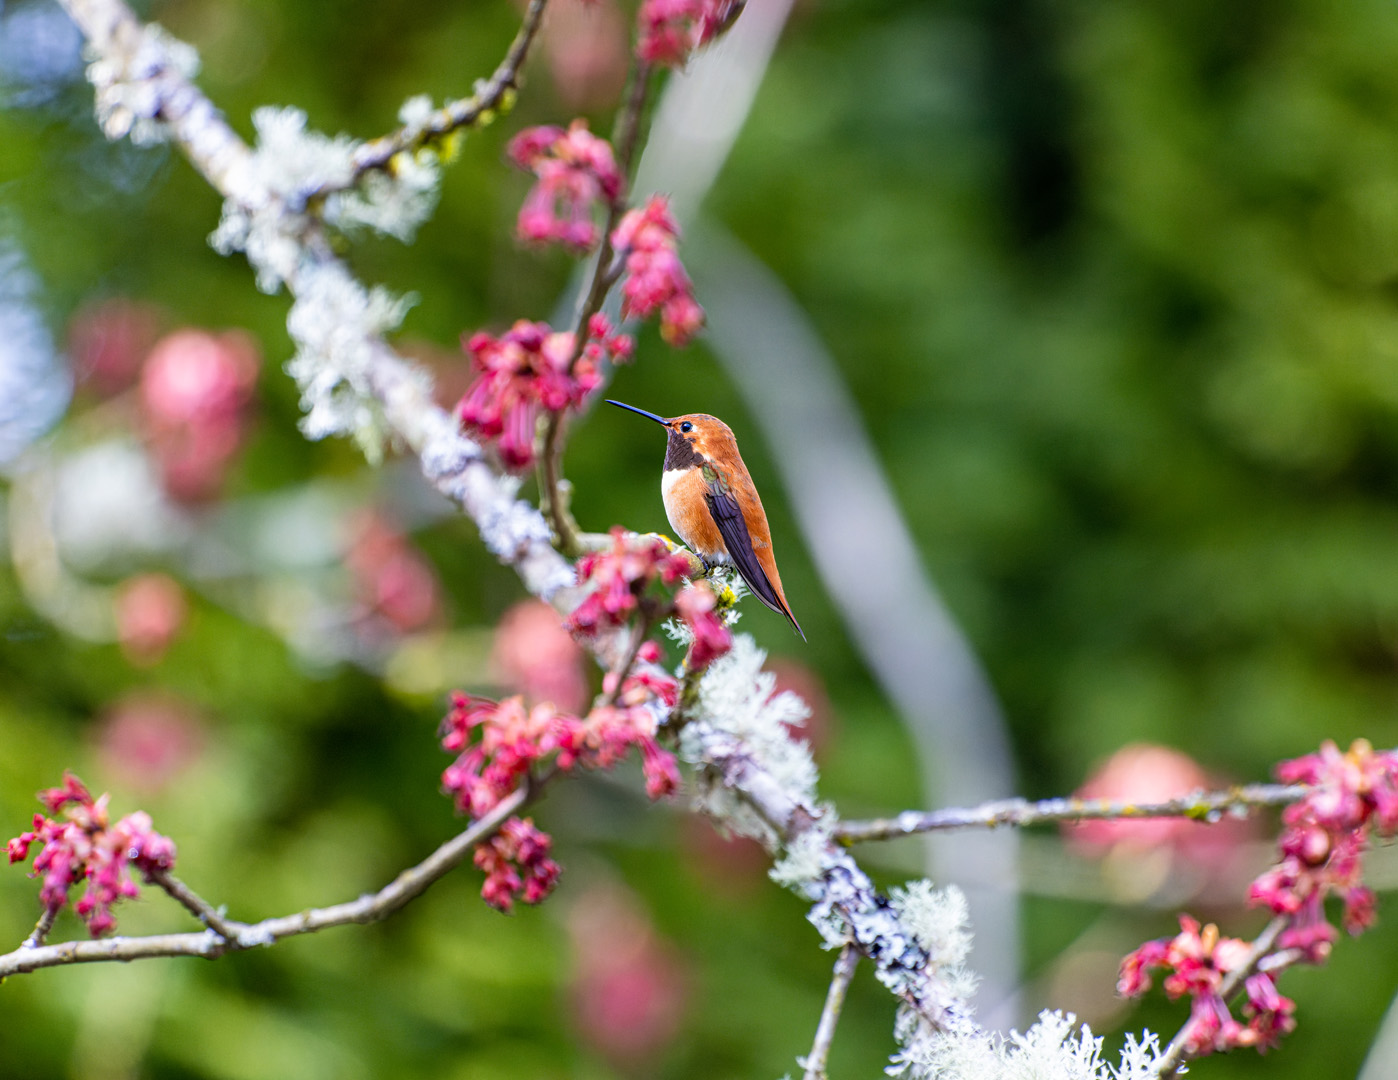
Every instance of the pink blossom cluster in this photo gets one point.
(398, 587)
(528, 369)
(697, 606)
(656, 281)
(497, 743)
(622, 581)
(1324, 839)
(195, 391)
(669, 30)
(1322, 844)
(630, 579)
(1198, 960)
(577, 174)
(83, 844)
(517, 865)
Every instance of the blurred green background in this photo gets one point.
(1115, 287)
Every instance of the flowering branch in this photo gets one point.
(752, 776)
(553, 500)
(492, 95)
(1198, 806)
(227, 935)
(1180, 1051)
(814, 1062)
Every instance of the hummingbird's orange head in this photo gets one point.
(693, 438)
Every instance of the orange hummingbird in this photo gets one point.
(712, 503)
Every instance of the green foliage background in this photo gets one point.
(1115, 286)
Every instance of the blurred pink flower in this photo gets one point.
(394, 580)
(533, 655)
(145, 740)
(1144, 773)
(585, 47)
(150, 610)
(577, 175)
(108, 340)
(195, 391)
(628, 995)
(655, 278)
(735, 866)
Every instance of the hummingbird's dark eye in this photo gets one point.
(686, 426)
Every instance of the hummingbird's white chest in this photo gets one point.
(684, 491)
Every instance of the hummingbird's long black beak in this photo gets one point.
(650, 415)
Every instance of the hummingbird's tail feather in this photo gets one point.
(728, 516)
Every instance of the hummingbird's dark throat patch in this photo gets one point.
(680, 453)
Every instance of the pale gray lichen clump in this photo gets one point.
(1052, 1049)
(128, 84)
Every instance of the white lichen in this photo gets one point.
(130, 85)
(803, 864)
(1050, 1050)
(266, 216)
(415, 114)
(336, 323)
(737, 697)
(393, 203)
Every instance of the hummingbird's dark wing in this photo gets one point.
(728, 516)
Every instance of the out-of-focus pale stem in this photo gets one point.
(814, 1062)
(1199, 806)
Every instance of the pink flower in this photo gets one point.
(517, 865)
(396, 583)
(83, 845)
(195, 391)
(695, 605)
(150, 610)
(622, 580)
(1323, 842)
(535, 656)
(145, 740)
(577, 175)
(585, 45)
(109, 339)
(1197, 960)
(497, 744)
(522, 372)
(628, 992)
(656, 281)
(1145, 773)
(669, 30)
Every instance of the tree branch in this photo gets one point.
(226, 935)
(1200, 806)
(814, 1062)
(491, 94)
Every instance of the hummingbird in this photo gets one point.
(712, 503)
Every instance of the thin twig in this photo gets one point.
(490, 95)
(235, 937)
(814, 1062)
(1199, 805)
(1177, 1053)
(553, 500)
(639, 631)
(201, 909)
(41, 929)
